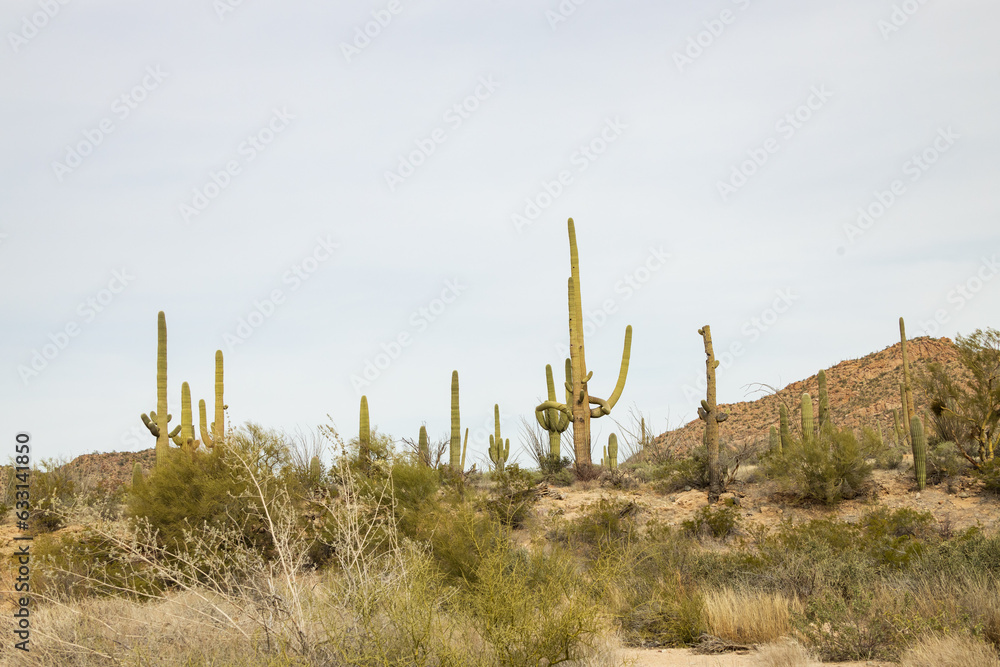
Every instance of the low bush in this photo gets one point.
(719, 522)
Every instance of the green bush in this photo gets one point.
(512, 496)
(944, 462)
(51, 487)
(826, 469)
(719, 522)
(606, 523)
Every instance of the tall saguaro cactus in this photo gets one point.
(907, 383)
(499, 448)
(157, 421)
(709, 413)
(454, 446)
(919, 452)
(581, 399)
(807, 418)
(555, 420)
(215, 434)
(364, 436)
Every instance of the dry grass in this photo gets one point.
(950, 651)
(786, 653)
(747, 617)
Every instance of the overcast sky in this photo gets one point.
(303, 186)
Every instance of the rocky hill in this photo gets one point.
(862, 392)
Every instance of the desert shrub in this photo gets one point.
(600, 525)
(51, 488)
(618, 478)
(989, 474)
(718, 522)
(944, 462)
(827, 468)
(784, 653)
(554, 469)
(587, 472)
(950, 651)
(747, 617)
(512, 496)
(414, 489)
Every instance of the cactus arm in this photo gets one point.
(150, 423)
(364, 435)
(202, 421)
(623, 371)
(465, 446)
(807, 418)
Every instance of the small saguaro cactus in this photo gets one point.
(807, 418)
(919, 452)
(455, 445)
(824, 400)
(364, 436)
(709, 413)
(214, 434)
(315, 471)
(499, 448)
(423, 448)
(185, 440)
(556, 418)
(611, 453)
(773, 440)
(157, 421)
(785, 432)
(137, 478)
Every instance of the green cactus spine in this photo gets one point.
(785, 432)
(214, 434)
(581, 398)
(773, 440)
(807, 418)
(555, 419)
(824, 401)
(423, 447)
(919, 452)
(364, 436)
(157, 421)
(455, 445)
(611, 452)
(185, 440)
(137, 479)
(499, 448)
(709, 413)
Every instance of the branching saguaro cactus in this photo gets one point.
(907, 391)
(786, 431)
(556, 418)
(364, 436)
(185, 440)
(423, 447)
(454, 451)
(824, 400)
(214, 434)
(709, 413)
(156, 421)
(919, 452)
(499, 448)
(610, 459)
(807, 418)
(581, 399)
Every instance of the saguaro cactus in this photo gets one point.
(773, 440)
(157, 421)
(907, 380)
(499, 448)
(364, 436)
(824, 400)
(218, 427)
(906, 414)
(185, 440)
(137, 479)
(315, 471)
(611, 453)
(786, 432)
(807, 418)
(454, 450)
(579, 408)
(555, 420)
(709, 413)
(423, 448)
(919, 452)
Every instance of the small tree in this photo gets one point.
(967, 410)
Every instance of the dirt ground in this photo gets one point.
(676, 657)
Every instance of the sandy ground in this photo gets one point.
(676, 657)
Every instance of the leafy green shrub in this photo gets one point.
(602, 524)
(414, 489)
(719, 522)
(827, 469)
(512, 496)
(989, 474)
(944, 462)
